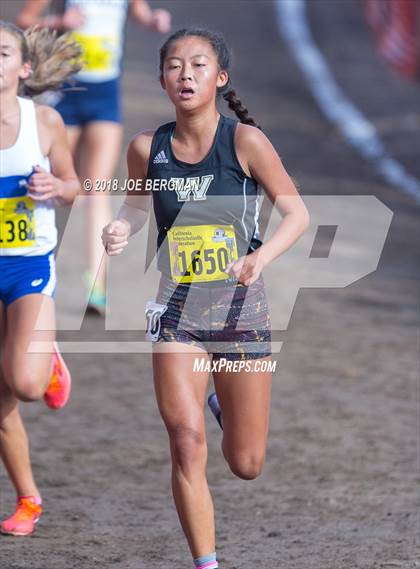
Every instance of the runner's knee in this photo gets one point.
(246, 465)
(25, 385)
(8, 403)
(189, 449)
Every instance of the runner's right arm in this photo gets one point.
(134, 211)
(31, 15)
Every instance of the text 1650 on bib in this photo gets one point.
(201, 253)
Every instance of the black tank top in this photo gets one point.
(213, 191)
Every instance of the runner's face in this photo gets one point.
(191, 73)
(11, 67)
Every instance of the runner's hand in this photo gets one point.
(115, 236)
(73, 18)
(42, 185)
(246, 269)
(161, 21)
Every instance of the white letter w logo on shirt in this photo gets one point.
(184, 187)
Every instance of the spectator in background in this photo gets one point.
(92, 108)
(396, 25)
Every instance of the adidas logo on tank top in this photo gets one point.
(160, 158)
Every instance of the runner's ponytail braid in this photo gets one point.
(236, 105)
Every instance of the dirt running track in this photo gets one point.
(340, 487)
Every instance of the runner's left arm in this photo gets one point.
(260, 160)
(61, 184)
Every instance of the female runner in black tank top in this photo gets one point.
(201, 161)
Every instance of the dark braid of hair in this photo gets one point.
(217, 41)
(236, 105)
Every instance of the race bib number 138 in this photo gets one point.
(97, 51)
(17, 223)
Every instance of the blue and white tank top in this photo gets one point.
(101, 37)
(26, 227)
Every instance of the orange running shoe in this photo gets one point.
(28, 512)
(58, 391)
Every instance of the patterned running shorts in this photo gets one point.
(227, 321)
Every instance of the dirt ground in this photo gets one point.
(340, 487)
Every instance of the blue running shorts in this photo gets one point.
(82, 102)
(24, 274)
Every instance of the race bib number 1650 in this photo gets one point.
(201, 253)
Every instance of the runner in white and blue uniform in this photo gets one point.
(95, 94)
(91, 103)
(28, 234)
(36, 173)
(210, 306)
